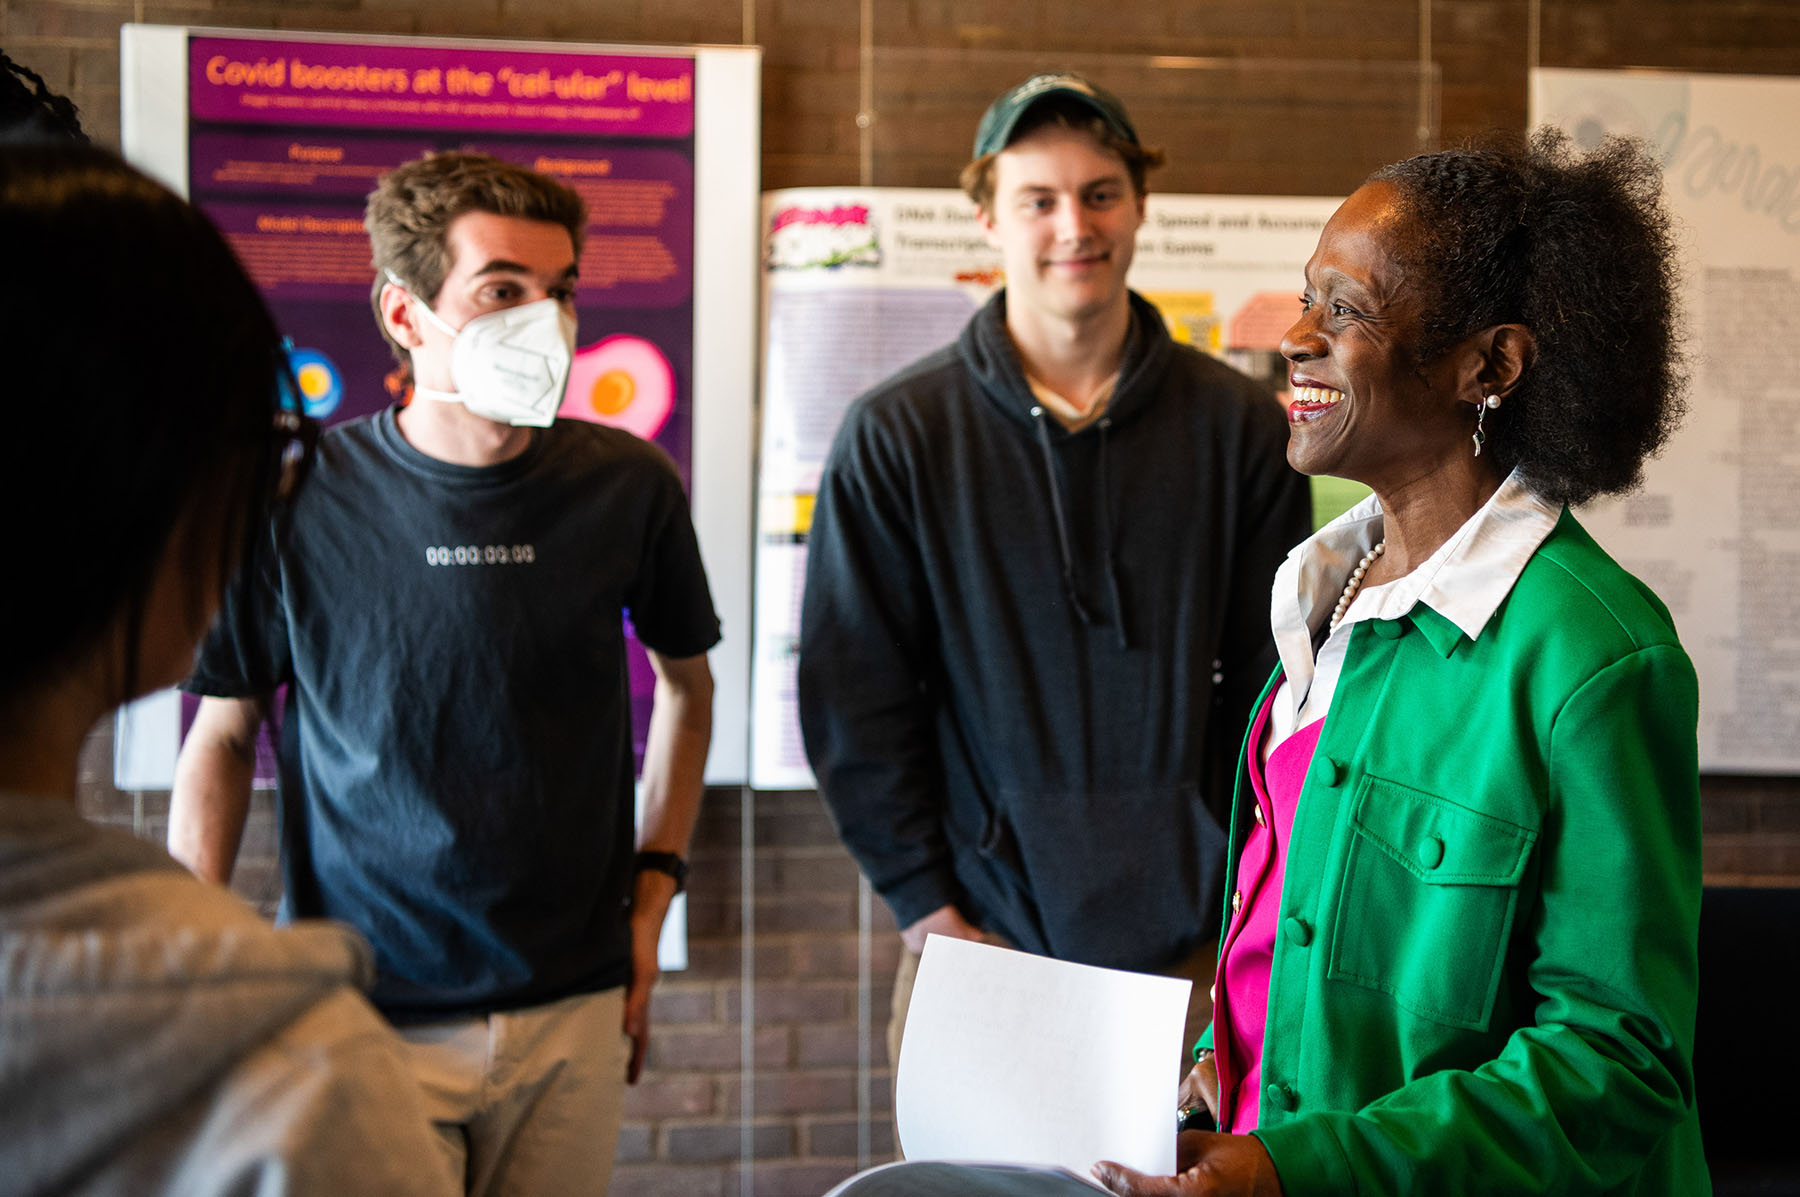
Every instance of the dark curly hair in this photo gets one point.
(1577, 248)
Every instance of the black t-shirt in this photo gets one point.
(456, 763)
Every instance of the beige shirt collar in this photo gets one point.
(1067, 414)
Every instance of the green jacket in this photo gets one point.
(1485, 976)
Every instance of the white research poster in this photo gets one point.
(860, 282)
(1714, 530)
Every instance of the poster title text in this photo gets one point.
(293, 73)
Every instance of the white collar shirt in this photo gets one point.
(1465, 581)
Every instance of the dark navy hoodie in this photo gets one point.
(1027, 656)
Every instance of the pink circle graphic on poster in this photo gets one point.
(624, 381)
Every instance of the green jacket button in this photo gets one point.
(1390, 629)
(1431, 852)
(1280, 1096)
(1330, 772)
(1299, 931)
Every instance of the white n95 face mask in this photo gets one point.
(509, 366)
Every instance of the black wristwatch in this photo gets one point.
(662, 862)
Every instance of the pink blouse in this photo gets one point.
(1241, 1010)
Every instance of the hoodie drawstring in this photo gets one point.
(1106, 540)
(1038, 415)
(1062, 524)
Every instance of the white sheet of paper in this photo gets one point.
(1023, 1059)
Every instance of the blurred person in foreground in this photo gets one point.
(1460, 953)
(156, 1035)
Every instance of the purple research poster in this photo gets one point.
(287, 137)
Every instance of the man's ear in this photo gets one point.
(1507, 352)
(397, 316)
(985, 221)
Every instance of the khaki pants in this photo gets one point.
(1197, 968)
(527, 1101)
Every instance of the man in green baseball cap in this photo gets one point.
(1036, 605)
(998, 123)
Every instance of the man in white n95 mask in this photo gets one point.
(445, 607)
(510, 365)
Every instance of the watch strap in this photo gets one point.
(662, 862)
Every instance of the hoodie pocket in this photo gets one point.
(1121, 878)
(1430, 891)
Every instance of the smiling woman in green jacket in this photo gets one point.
(1459, 952)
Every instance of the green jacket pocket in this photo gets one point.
(1427, 905)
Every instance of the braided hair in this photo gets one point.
(30, 111)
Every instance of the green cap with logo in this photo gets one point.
(1004, 114)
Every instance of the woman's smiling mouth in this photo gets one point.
(1310, 402)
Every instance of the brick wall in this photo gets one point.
(794, 1100)
(778, 923)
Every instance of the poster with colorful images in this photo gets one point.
(860, 282)
(279, 139)
(286, 139)
(1712, 531)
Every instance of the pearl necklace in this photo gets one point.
(1355, 584)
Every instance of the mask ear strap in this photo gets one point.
(423, 306)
